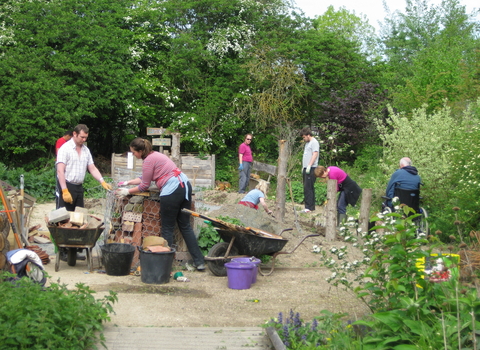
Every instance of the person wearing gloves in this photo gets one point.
(245, 159)
(309, 162)
(175, 194)
(257, 195)
(349, 189)
(73, 160)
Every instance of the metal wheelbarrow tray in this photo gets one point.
(75, 238)
(242, 241)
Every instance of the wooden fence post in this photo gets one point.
(365, 205)
(331, 210)
(281, 179)
(176, 157)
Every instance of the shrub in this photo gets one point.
(208, 236)
(320, 192)
(52, 317)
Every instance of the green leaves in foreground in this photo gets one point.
(32, 317)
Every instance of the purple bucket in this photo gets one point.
(239, 275)
(253, 260)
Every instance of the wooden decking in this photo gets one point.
(191, 338)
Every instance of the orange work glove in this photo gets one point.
(67, 197)
(106, 186)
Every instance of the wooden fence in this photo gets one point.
(199, 169)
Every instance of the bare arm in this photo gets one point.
(61, 175)
(314, 157)
(95, 172)
(240, 158)
(264, 204)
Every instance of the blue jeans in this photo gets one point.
(171, 212)
(244, 177)
(342, 203)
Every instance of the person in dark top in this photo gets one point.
(406, 177)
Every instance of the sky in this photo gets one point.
(373, 9)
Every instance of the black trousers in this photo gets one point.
(309, 188)
(77, 194)
(171, 212)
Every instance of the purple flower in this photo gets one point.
(280, 318)
(297, 322)
(314, 325)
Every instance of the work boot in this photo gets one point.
(341, 219)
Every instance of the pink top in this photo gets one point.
(156, 167)
(337, 174)
(246, 151)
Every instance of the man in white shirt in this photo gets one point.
(73, 160)
(309, 163)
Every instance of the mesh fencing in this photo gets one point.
(132, 218)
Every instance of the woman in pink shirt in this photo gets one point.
(175, 194)
(349, 189)
(245, 159)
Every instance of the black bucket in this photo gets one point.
(117, 258)
(156, 267)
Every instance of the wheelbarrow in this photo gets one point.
(75, 239)
(242, 242)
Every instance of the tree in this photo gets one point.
(63, 63)
(421, 69)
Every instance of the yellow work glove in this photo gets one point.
(67, 197)
(106, 186)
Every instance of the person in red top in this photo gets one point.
(245, 159)
(66, 137)
(175, 194)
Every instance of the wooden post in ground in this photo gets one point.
(331, 210)
(365, 205)
(176, 157)
(281, 179)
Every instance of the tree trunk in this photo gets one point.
(331, 209)
(281, 179)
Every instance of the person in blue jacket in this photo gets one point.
(406, 178)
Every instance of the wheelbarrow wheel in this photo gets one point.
(72, 256)
(218, 266)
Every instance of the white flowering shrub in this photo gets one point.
(385, 271)
(426, 140)
(465, 167)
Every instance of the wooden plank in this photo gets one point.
(270, 169)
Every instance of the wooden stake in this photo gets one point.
(331, 209)
(365, 205)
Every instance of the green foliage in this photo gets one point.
(320, 192)
(62, 63)
(53, 317)
(41, 183)
(410, 310)
(427, 140)
(327, 331)
(37, 183)
(465, 181)
(208, 236)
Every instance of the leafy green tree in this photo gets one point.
(62, 63)
(421, 69)
(353, 27)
